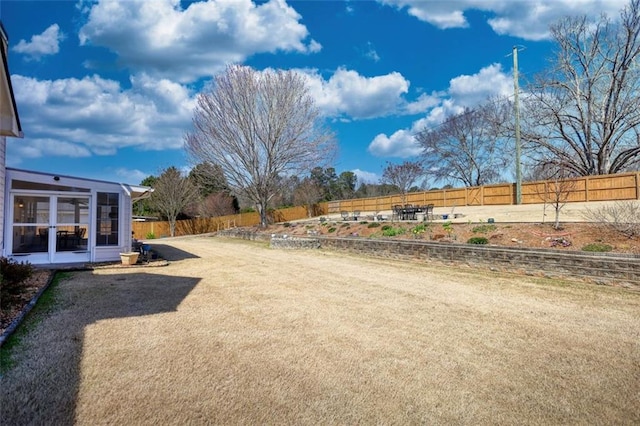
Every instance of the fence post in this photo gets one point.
(586, 188)
(638, 185)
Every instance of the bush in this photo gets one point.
(419, 229)
(13, 275)
(385, 227)
(478, 240)
(286, 224)
(392, 232)
(483, 229)
(373, 225)
(597, 247)
(332, 229)
(151, 236)
(622, 217)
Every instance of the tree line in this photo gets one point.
(258, 140)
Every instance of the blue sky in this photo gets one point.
(105, 89)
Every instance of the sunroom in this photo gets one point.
(56, 219)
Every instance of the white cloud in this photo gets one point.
(464, 91)
(365, 177)
(186, 44)
(347, 93)
(47, 43)
(401, 144)
(131, 175)
(529, 20)
(470, 90)
(95, 116)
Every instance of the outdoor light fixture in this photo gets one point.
(56, 178)
(20, 203)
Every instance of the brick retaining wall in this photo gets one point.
(600, 268)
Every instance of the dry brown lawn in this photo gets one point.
(233, 332)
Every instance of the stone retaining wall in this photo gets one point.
(600, 268)
(294, 242)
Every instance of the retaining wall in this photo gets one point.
(599, 268)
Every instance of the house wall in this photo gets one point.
(3, 149)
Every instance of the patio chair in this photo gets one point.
(345, 215)
(428, 212)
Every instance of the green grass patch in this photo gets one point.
(392, 232)
(597, 247)
(45, 304)
(478, 240)
(483, 229)
(373, 225)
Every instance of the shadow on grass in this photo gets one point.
(41, 381)
(171, 253)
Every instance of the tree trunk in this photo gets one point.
(172, 227)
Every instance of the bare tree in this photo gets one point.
(172, 193)
(583, 113)
(217, 204)
(258, 126)
(307, 194)
(403, 176)
(555, 188)
(467, 147)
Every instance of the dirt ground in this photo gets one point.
(232, 332)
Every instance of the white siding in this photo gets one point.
(3, 172)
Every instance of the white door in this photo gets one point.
(50, 228)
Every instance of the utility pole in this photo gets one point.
(516, 102)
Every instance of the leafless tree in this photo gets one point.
(467, 147)
(555, 187)
(583, 112)
(403, 176)
(258, 126)
(307, 194)
(172, 193)
(217, 204)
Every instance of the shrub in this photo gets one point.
(13, 275)
(392, 232)
(150, 236)
(478, 240)
(419, 229)
(622, 217)
(332, 229)
(483, 229)
(286, 224)
(373, 225)
(345, 225)
(597, 247)
(385, 227)
(363, 222)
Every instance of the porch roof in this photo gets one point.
(136, 192)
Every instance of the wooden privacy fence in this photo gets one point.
(623, 186)
(149, 230)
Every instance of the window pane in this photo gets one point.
(73, 210)
(30, 239)
(30, 209)
(107, 219)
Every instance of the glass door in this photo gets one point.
(31, 228)
(50, 228)
(72, 229)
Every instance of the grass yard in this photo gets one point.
(232, 332)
